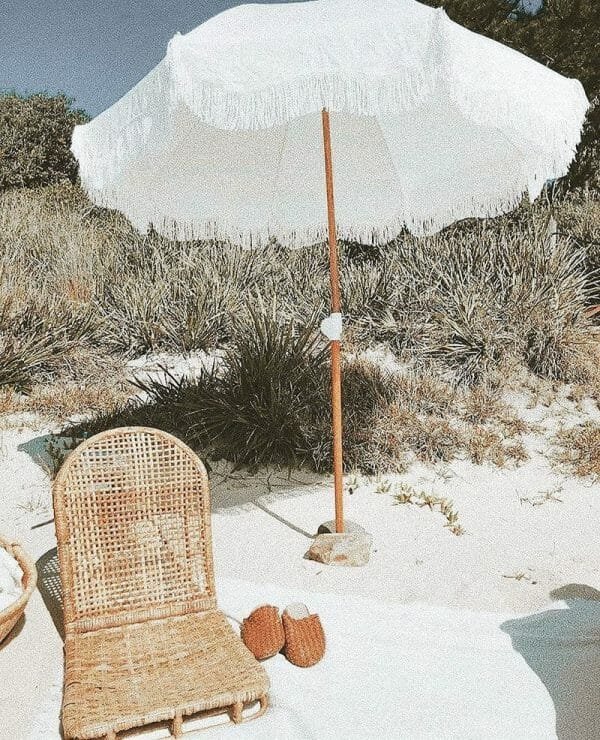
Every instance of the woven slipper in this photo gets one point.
(304, 636)
(262, 632)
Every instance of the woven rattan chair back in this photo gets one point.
(132, 516)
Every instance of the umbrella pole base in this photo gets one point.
(349, 548)
(349, 527)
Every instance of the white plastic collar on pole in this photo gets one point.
(331, 327)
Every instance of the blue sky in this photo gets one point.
(92, 50)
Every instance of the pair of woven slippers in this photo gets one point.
(296, 633)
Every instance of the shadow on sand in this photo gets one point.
(562, 646)
(231, 490)
(50, 588)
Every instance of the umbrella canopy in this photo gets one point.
(230, 135)
(430, 123)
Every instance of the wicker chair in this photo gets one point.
(144, 641)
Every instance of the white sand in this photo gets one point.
(161, 366)
(434, 638)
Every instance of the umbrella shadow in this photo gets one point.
(562, 646)
(232, 491)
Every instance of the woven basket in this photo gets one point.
(11, 615)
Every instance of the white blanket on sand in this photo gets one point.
(416, 671)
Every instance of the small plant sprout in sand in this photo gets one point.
(521, 575)
(384, 485)
(406, 494)
(543, 497)
(35, 504)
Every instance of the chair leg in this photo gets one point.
(236, 714)
(177, 725)
(264, 702)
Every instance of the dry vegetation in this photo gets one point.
(579, 450)
(464, 313)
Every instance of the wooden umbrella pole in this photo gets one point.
(336, 370)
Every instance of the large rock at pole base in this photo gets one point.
(345, 548)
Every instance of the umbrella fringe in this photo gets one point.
(276, 104)
(228, 232)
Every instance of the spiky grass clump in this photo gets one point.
(367, 392)
(578, 218)
(175, 296)
(255, 408)
(36, 340)
(146, 292)
(471, 301)
(260, 404)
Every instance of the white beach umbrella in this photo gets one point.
(231, 135)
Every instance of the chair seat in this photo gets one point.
(132, 675)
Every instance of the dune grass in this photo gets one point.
(464, 313)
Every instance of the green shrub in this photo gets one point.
(35, 140)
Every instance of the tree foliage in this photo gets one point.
(35, 140)
(565, 36)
